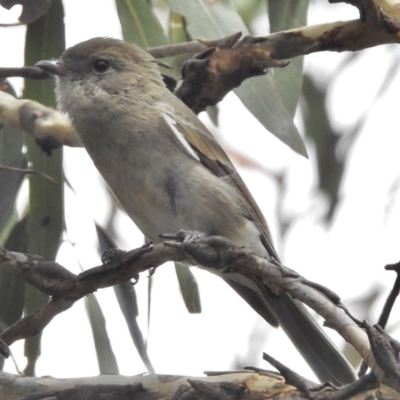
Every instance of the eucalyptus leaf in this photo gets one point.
(217, 19)
(11, 142)
(11, 155)
(321, 132)
(126, 296)
(189, 288)
(177, 34)
(105, 355)
(12, 289)
(284, 15)
(44, 40)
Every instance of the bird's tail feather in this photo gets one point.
(324, 358)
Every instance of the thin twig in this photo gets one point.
(394, 293)
(24, 72)
(28, 171)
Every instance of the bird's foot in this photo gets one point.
(186, 238)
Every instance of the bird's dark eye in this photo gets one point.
(100, 66)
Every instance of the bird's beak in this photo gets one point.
(53, 67)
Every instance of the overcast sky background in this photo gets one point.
(348, 257)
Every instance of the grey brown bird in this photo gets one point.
(170, 174)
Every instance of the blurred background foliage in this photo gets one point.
(40, 227)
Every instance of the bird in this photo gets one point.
(170, 174)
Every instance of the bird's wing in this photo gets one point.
(214, 158)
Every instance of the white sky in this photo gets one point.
(348, 258)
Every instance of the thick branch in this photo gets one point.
(218, 254)
(224, 386)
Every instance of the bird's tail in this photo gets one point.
(324, 358)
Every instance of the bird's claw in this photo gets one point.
(184, 236)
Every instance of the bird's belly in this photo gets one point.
(159, 220)
(167, 195)
(204, 203)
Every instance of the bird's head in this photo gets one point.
(101, 70)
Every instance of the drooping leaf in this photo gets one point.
(12, 289)
(44, 40)
(105, 355)
(126, 296)
(11, 141)
(284, 15)
(189, 288)
(217, 19)
(177, 34)
(319, 129)
(176, 28)
(11, 155)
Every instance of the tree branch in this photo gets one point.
(242, 385)
(218, 254)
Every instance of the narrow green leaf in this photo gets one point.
(176, 28)
(11, 155)
(105, 355)
(12, 288)
(209, 19)
(189, 288)
(219, 18)
(44, 40)
(139, 23)
(177, 34)
(320, 130)
(126, 296)
(284, 15)
(11, 142)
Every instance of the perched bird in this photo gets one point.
(170, 174)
